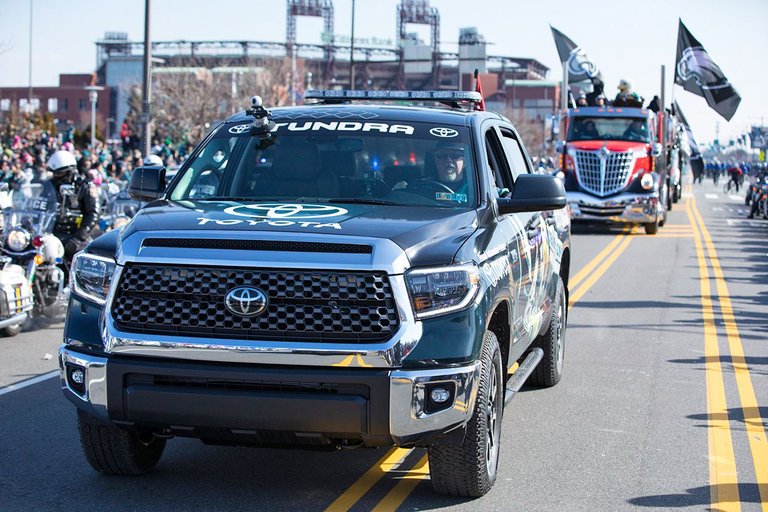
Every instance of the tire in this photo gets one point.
(11, 330)
(678, 194)
(651, 228)
(552, 342)
(113, 451)
(471, 469)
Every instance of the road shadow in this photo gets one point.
(747, 493)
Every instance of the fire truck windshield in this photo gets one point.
(633, 129)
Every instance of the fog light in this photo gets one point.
(76, 379)
(440, 395)
(78, 376)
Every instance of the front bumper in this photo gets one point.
(250, 403)
(631, 208)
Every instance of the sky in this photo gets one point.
(627, 40)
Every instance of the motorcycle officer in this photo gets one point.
(78, 213)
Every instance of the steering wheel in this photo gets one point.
(428, 187)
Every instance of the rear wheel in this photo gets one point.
(470, 469)
(550, 369)
(113, 451)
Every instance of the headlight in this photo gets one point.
(18, 239)
(436, 291)
(91, 276)
(646, 181)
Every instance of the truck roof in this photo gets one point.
(371, 113)
(610, 112)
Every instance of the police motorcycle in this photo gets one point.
(32, 251)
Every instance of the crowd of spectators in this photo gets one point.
(24, 152)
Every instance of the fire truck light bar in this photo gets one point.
(470, 96)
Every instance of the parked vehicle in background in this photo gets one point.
(327, 276)
(609, 166)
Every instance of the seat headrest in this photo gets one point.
(297, 161)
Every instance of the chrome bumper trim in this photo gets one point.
(408, 387)
(632, 208)
(18, 318)
(94, 400)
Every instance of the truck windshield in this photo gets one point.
(349, 160)
(633, 129)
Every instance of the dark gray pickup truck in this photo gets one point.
(356, 272)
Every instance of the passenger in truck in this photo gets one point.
(637, 130)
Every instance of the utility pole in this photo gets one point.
(147, 97)
(29, 101)
(352, 52)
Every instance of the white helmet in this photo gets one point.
(62, 161)
(153, 160)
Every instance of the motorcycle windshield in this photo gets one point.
(33, 207)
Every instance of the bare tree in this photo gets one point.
(531, 130)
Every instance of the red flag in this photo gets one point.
(479, 88)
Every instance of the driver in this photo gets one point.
(449, 164)
(79, 212)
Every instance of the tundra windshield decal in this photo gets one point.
(345, 126)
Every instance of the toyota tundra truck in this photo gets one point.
(609, 166)
(311, 278)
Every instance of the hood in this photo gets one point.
(429, 236)
(613, 145)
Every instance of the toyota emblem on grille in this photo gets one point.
(246, 301)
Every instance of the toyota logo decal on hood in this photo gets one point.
(286, 211)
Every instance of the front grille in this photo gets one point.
(603, 173)
(303, 305)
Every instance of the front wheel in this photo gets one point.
(11, 330)
(114, 451)
(470, 469)
(651, 228)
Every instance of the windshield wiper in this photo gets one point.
(349, 200)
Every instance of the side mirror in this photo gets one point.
(534, 192)
(147, 183)
(4, 186)
(656, 150)
(560, 146)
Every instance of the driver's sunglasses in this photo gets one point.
(450, 155)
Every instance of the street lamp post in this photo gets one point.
(93, 95)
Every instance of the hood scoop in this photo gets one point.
(257, 245)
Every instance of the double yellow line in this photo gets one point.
(724, 490)
(394, 459)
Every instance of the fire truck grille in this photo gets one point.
(603, 174)
(302, 305)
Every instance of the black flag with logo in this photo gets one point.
(580, 68)
(697, 73)
(697, 163)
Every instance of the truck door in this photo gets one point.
(514, 233)
(535, 245)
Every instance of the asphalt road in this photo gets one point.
(663, 405)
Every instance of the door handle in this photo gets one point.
(551, 221)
